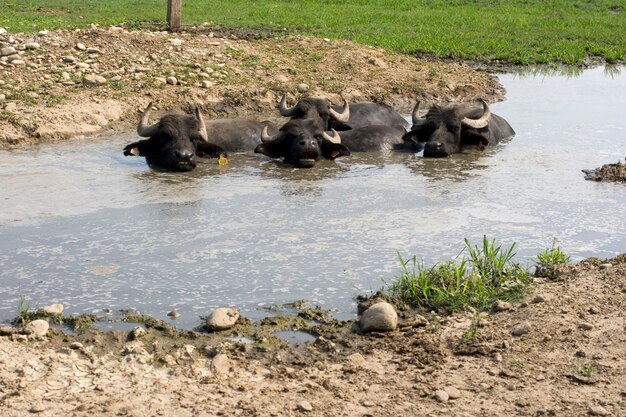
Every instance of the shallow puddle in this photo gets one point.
(84, 226)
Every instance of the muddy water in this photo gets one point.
(87, 227)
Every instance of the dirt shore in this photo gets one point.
(62, 84)
(568, 361)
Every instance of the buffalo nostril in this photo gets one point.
(183, 155)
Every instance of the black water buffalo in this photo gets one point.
(301, 142)
(448, 129)
(316, 109)
(173, 142)
(369, 114)
(378, 138)
(176, 140)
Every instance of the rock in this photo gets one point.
(82, 65)
(538, 299)
(598, 410)
(136, 333)
(42, 32)
(37, 328)
(37, 408)
(500, 305)
(221, 364)
(593, 310)
(521, 328)
(116, 78)
(585, 326)
(6, 330)
(282, 79)
(305, 406)
(303, 88)
(76, 346)
(10, 107)
(605, 266)
(442, 396)
(53, 309)
(81, 46)
(453, 392)
(173, 314)
(207, 84)
(379, 317)
(94, 51)
(222, 318)
(176, 42)
(9, 50)
(497, 357)
(69, 59)
(18, 62)
(93, 79)
(171, 80)
(32, 45)
(3, 31)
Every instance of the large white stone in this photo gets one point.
(37, 328)
(381, 317)
(53, 309)
(222, 318)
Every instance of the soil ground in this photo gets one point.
(570, 362)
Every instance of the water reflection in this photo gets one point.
(568, 71)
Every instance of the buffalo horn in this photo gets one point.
(335, 138)
(416, 114)
(143, 129)
(481, 122)
(265, 137)
(201, 126)
(283, 109)
(343, 116)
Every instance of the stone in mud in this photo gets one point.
(500, 305)
(37, 328)
(9, 50)
(305, 406)
(585, 326)
(453, 392)
(93, 79)
(53, 309)
(222, 318)
(381, 317)
(442, 396)
(598, 410)
(221, 364)
(521, 328)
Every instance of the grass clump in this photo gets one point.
(548, 260)
(487, 275)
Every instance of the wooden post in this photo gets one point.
(173, 15)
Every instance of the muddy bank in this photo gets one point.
(62, 84)
(608, 172)
(569, 361)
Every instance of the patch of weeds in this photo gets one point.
(517, 365)
(472, 332)
(588, 370)
(487, 275)
(548, 260)
(26, 315)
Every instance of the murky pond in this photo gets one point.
(84, 226)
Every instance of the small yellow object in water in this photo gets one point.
(222, 160)
(134, 151)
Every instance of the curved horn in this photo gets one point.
(415, 116)
(343, 116)
(201, 126)
(335, 138)
(283, 109)
(265, 137)
(481, 122)
(143, 129)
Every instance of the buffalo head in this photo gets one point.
(315, 109)
(448, 129)
(173, 142)
(301, 143)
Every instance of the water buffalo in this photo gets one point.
(369, 114)
(301, 142)
(448, 129)
(378, 138)
(173, 142)
(237, 135)
(316, 109)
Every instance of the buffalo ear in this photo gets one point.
(272, 149)
(139, 148)
(209, 150)
(332, 150)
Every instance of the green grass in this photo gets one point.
(548, 259)
(516, 31)
(487, 275)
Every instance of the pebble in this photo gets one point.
(598, 410)
(497, 357)
(173, 314)
(303, 88)
(538, 299)
(93, 79)
(53, 309)
(281, 78)
(10, 107)
(94, 51)
(222, 318)
(305, 406)
(69, 59)
(9, 50)
(442, 396)
(221, 364)
(37, 328)
(81, 46)
(76, 345)
(82, 65)
(453, 392)
(521, 328)
(500, 305)
(379, 317)
(585, 326)
(136, 333)
(605, 266)
(3, 31)
(17, 62)
(116, 78)
(37, 408)
(176, 42)
(593, 310)
(32, 45)
(207, 84)
(42, 32)
(171, 80)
